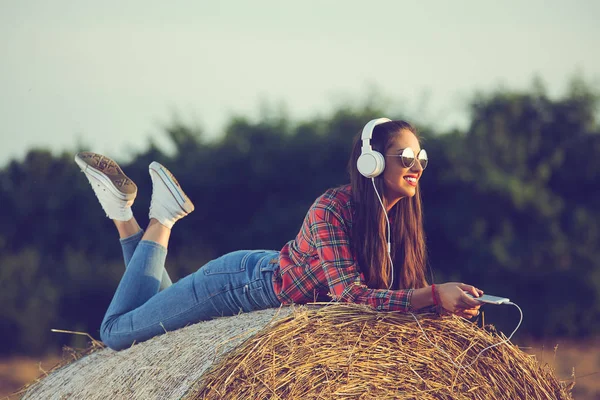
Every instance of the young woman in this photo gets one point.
(346, 249)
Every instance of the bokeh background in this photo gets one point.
(254, 105)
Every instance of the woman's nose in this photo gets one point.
(417, 166)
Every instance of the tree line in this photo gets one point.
(512, 205)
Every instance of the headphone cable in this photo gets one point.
(460, 366)
(389, 246)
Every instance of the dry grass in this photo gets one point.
(18, 373)
(576, 360)
(321, 354)
(353, 352)
(164, 367)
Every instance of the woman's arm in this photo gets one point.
(421, 298)
(329, 233)
(451, 296)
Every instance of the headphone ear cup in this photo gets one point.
(380, 163)
(370, 164)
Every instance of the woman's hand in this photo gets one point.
(468, 313)
(453, 298)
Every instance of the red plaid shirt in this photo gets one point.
(318, 265)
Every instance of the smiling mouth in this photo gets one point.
(411, 180)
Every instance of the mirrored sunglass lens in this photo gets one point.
(423, 160)
(408, 157)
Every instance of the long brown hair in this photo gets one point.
(369, 228)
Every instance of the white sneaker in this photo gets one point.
(169, 202)
(114, 190)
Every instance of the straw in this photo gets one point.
(347, 351)
(338, 351)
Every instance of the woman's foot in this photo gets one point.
(169, 202)
(114, 190)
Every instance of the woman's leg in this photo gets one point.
(240, 281)
(140, 282)
(130, 235)
(127, 228)
(145, 268)
(237, 282)
(116, 193)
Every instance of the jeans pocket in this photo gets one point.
(254, 293)
(231, 263)
(271, 263)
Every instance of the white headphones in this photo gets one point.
(370, 163)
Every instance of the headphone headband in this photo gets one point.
(367, 132)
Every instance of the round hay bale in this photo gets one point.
(353, 352)
(339, 351)
(165, 367)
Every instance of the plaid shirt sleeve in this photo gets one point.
(330, 236)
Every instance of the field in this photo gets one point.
(581, 358)
(18, 371)
(566, 357)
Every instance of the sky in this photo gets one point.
(112, 74)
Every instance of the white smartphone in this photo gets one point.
(486, 298)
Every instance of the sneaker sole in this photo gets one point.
(111, 181)
(171, 183)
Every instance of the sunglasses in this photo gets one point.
(407, 157)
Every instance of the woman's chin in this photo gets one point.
(402, 192)
(409, 191)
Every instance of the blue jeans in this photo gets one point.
(146, 303)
